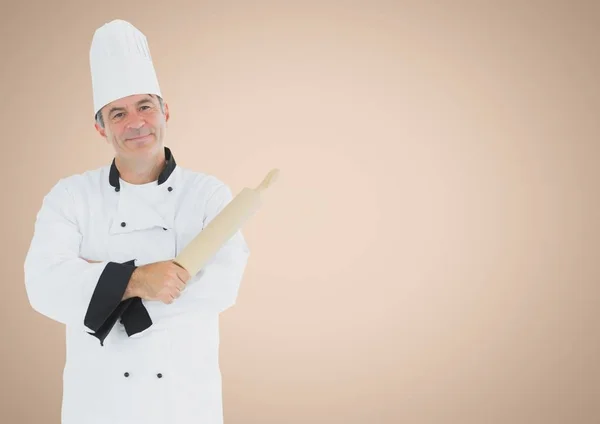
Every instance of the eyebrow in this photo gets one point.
(116, 109)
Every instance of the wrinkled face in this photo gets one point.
(135, 125)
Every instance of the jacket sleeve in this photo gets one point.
(59, 284)
(215, 287)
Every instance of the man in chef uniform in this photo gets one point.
(142, 335)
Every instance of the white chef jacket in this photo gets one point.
(133, 361)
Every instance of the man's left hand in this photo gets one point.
(90, 261)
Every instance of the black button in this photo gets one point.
(126, 374)
(164, 229)
(117, 189)
(123, 224)
(159, 375)
(170, 189)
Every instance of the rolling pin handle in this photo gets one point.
(269, 179)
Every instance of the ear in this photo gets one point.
(166, 106)
(100, 130)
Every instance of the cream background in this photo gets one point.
(430, 251)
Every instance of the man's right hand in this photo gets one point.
(161, 281)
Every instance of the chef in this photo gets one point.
(142, 335)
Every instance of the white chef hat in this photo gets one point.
(120, 63)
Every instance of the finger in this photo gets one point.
(178, 287)
(89, 261)
(183, 276)
(177, 284)
(181, 272)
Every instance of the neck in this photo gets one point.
(141, 170)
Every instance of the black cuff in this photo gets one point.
(106, 304)
(110, 322)
(135, 318)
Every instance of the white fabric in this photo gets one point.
(121, 64)
(80, 217)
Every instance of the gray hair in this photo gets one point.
(100, 120)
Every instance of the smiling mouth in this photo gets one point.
(140, 137)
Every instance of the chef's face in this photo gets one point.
(135, 125)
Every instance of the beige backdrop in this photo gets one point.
(430, 253)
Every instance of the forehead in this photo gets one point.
(129, 101)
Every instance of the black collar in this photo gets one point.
(113, 176)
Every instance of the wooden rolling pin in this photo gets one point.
(223, 226)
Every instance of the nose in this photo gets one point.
(135, 121)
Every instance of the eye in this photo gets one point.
(146, 106)
(117, 115)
